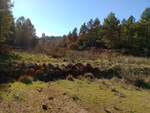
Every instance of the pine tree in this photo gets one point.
(83, 29)
(131, 24)
(110, 31)
(146, 15)
(74, 35)
(6, 19)
(25, 33)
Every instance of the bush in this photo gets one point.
(52, 49)
(70, 77)
(26, 79)
(141, 83)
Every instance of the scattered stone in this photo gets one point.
(49, 83)
(103, 82)
(39, 89)
(9, 106)
(138, 89)
(100, 87)
(16, 97)
(51, 98)
(75, 98)
(113, 90)
(107, 110)
(115, 94)
(122, 95)
(44, 106)
(116, 108)
(49, 107)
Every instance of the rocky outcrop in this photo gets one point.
(49, 72)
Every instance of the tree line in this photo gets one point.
(129, 35)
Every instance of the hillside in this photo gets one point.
(106, 84)
(74, 58)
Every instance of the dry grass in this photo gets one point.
(131, 68)
(51, 50)
(81, 96)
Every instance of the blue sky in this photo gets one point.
(58, 17)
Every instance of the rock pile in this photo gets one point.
(49, 72)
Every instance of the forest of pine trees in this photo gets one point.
(129, 36)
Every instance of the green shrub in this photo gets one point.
(26, 79)
(142, 83)
(70, 77)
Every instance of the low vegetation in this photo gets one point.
(117, 84)
(98, 96)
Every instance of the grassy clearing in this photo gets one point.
(35, 58)
(97, 95)
(105, 59)
(75, 96)
(31, 99)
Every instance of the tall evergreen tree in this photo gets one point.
(6, 19)
(83, 29)
(123, 34)
(74, 35)
(90, 24)
(25, 33)
(11, 37)
(110, 30)
(145, 24)
(130, 31)
(146, 15)
(96, 23)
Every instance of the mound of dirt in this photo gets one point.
(50, 72)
